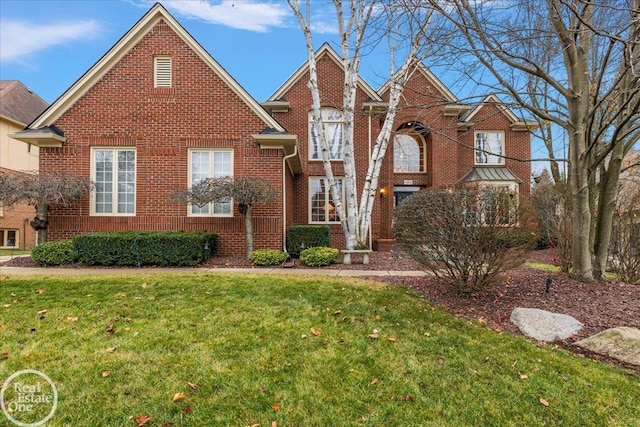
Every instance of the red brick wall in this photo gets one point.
(200, 110)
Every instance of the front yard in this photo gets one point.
(242, 350)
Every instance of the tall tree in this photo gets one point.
(42, 190)
(572, 63)
(357, 22)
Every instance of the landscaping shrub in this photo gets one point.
(146, 248)
(55, 253)
(308, 235)
(267, 257)
(319, 256)
(465, 236)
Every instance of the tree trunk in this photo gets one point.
(41, 222)
(248, 230)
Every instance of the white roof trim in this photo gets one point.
(325, 49)
(493, 99)
(129, 40)
(432, 79)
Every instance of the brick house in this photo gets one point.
(18, 107)
(157, 112)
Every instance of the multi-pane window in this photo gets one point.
(499, 203)
(162, 71)
(114, 175)
(408, 153)
(322, 205)
(489, 148)
(333, 133)
(210, 164)
(9, 238)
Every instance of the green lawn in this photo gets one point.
(300, 351)
(14, 252)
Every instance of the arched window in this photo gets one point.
(332, 120)
(408, 153)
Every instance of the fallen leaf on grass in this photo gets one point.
(375, 381)
(144, 285)
(42, 314)
(315, 332)
(275, 407)
(544, 402)
(393, 339)
(335, 313)
(142, 420)
(106, 374)
(374, 336)
(274, 424)
(408, 398)
(178, 397)
(72, 319)
(4, 354)
(523, 376)
(111, 349)
(40, 291)
(111, 329)
(193, 386)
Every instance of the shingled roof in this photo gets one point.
(19, 103)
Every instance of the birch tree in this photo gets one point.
(574, 64)
(354, 20)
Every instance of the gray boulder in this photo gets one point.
(621, 343)
(544, 325)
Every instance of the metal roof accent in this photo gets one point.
(488, 173)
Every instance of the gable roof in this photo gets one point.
(18, 103)
(516, 124)
(122, 46)
(327, 50)
(431, 78)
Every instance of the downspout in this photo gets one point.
(370, 222)
(284, 196)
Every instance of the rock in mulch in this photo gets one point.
(544, 325)
(621, 343)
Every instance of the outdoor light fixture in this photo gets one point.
(383, 192)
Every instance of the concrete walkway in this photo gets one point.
(57, 271)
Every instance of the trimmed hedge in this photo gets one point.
(146, 248)
(55, 253)
(319, 256)
(268, 257)
(310, 235)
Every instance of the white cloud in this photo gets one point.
(249, 15)
(20, 39)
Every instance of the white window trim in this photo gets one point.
(310, 216)
(423, 161)
(513, 190)
(501, 159)
(311, 122)
(162, 82)
(189, 183)
(114, 201)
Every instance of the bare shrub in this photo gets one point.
(465, 236)
(625, 236)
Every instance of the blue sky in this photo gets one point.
(49, 44)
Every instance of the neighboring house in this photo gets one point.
(157, 113)
(18, 107)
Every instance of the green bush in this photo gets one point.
(308, 235)
(319, 256)
(146, 248)
(268, 257)
(55, 253)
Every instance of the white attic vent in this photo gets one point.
(162, 71)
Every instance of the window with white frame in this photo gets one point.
(162, 71)
(408, 153)
(499, 203)
(9, 238)
(210, 163)
(333, 134)
(489, 147)
(321, 204)
(113, 170)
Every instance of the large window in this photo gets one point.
(114, 174)
(322, 206)
(210, 163)
(489, 148)
(499, 204)
(408, 153)
(332, 120)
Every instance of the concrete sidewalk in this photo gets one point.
(57, 271)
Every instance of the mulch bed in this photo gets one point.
(598, 306)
